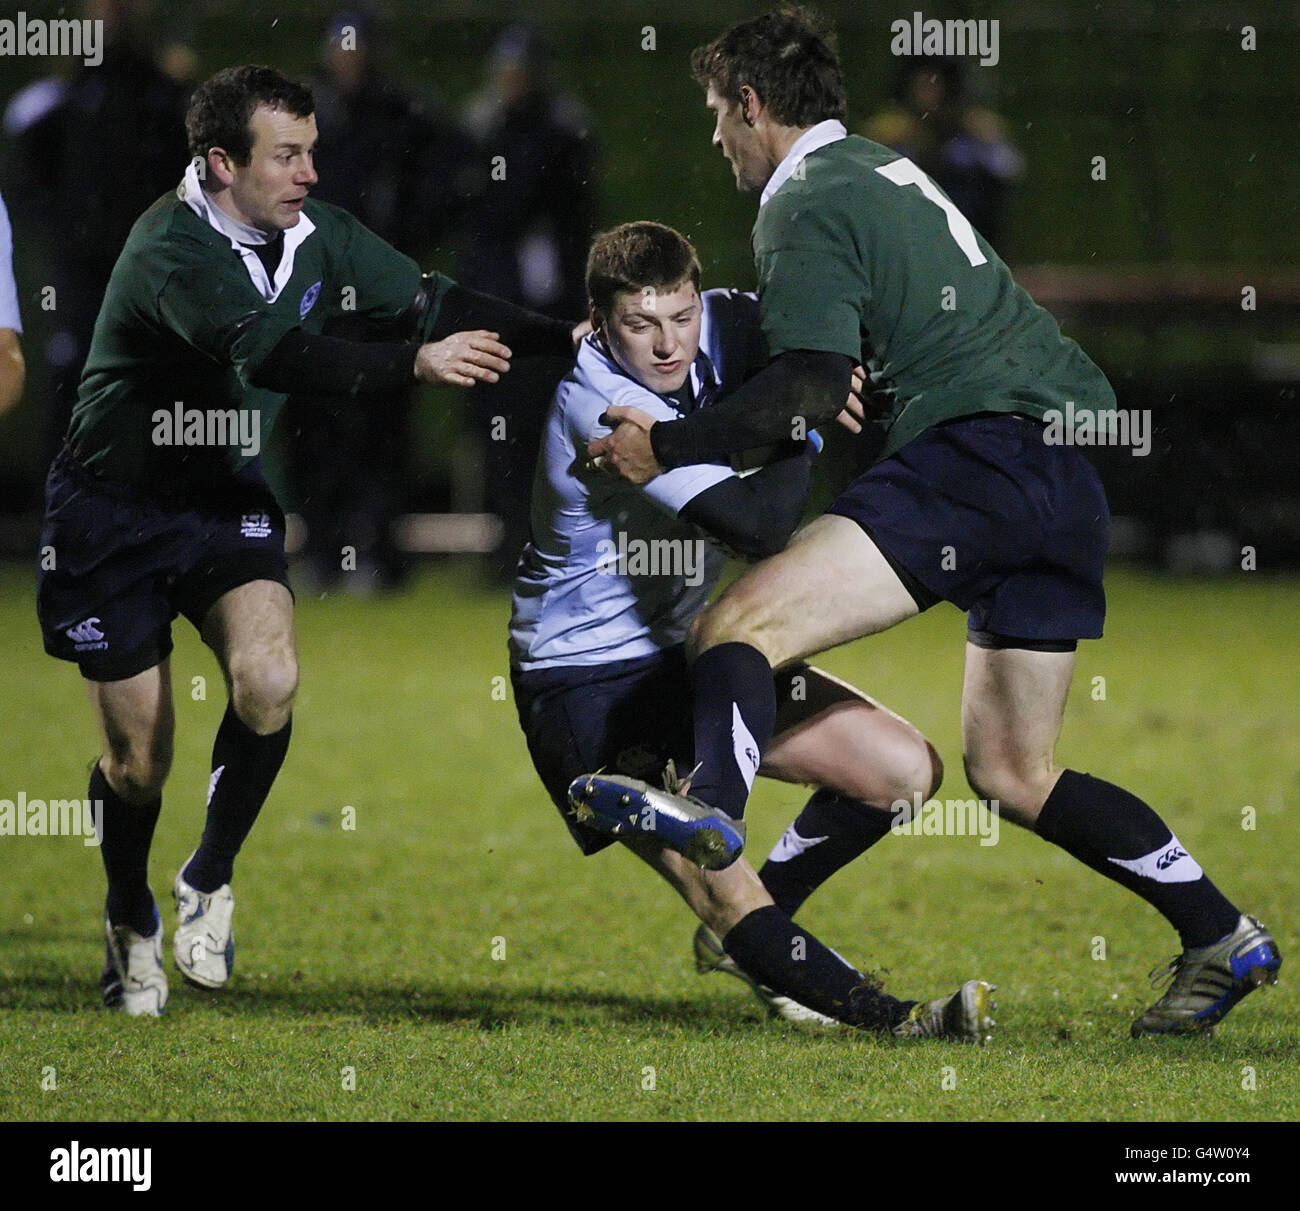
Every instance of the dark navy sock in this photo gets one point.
(735, 711)
(244, 765)
(829, 833)
(1118, 835)
(126, 832)
(789, 960)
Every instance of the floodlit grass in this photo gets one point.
(454, 957)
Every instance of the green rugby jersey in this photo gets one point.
(862, 254)
(183, 324)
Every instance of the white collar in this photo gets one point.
(703, 376)
(619, 387)
(830, 131)
(240, 235)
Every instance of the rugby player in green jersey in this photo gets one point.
(860, 257)
(157, 505)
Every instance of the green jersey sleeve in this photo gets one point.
(812, 290)
(387, 283)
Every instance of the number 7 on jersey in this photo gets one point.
(904, 172)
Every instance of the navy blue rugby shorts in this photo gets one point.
(983, 513)
(627, 717)
(126, 563)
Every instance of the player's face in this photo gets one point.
(268, 191)
(654, 335)
(739, 143)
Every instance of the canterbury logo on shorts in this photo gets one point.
(87, 637)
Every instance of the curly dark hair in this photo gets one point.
(636, 255)
(789, 57)
(222, 107)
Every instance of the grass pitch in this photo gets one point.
(452, 957)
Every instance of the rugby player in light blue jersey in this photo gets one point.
(606, 589)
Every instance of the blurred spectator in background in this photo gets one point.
(91, 150)
(394, 160)
(533, 214)
(964, 147)
(177, 60)
(12, 369)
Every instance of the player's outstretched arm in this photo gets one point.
(310, 364)
(526, 332)
(428, 308)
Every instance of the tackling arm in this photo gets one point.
(799, 386)
(755, 514)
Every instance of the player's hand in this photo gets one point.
(626, 451)
(462, 359)
(579, 331)
(854, 412)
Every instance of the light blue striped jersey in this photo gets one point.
(611, 573)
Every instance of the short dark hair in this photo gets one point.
(789, 57)
(636, 255)
(222, 108)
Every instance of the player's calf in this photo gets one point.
(135, 777)
(137, 723)
(854, 747)
(710, 957)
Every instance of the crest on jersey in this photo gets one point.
(309, 300)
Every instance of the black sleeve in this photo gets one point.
(802, 384)
(756, 514)
(526, 332)
(304, 364)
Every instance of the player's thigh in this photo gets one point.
(251, 630)
(137, 725)
(1013, 704)
(831, 734)
(830, 585)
